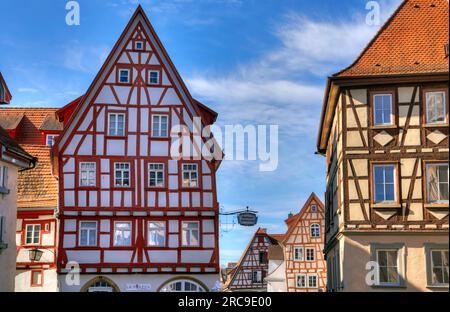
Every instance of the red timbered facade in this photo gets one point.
(134, 215)
(250, 272)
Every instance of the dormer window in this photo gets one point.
(124, 75)
(153, 77)
(51, 139)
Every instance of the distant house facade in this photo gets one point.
(14, 160)
(296, 262)
(36, 129)
(385, 134)
(248, 275)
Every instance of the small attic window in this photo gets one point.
(139, 45)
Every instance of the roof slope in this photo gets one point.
(11, 145)
(412, 41)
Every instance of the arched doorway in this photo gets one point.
(100, 284)
(183, 285)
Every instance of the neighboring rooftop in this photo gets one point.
(412, 41)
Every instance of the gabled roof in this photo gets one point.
(294, 220)
(50, 123)
(139, 17)
(412, 41)
(5, 95)
(10, 121)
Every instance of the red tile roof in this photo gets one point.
(411, 42)
(37, 188)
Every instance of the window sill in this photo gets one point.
(438, 125)
(389, 286)
(4, 190)
(156, 189)
(115, 137)
(3, 246)
(437, 206)
(387, 206)
(381, 127)
(442, 287)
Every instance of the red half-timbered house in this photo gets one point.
(250, 272)
(37, 197)
(134, 215)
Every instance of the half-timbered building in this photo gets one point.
(135, 216)
(250, 272)
(384, 132)
(37, 197)
(297, 262)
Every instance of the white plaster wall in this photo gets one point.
(23, 281)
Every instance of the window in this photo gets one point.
(116, 124)
(437, 183)
(257, 276)
(157, 233)
(384, 184)
(382, 109)
(435, 107)
(191, 234)
(437, 265)
(139, 45)
(88, 233)
(262, 257)
(101, 286)
(156, 175)
(4, 177)
(190, 175)
(299, 254)
(37, 278)
(183, 286)
(153, 77)
(310, 254)
(315, 230)
(3, 244)
(160, 126)
(388, 267)
(122, 234)
(51, 139)
(122, 174)
(124, 76)
(88, 176)
(312, 281)
(33, 234)
(300, 280)
(313, 208)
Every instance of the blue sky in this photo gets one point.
(252, 61)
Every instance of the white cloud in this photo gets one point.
(27, 90)
(88, 59)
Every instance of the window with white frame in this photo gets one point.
(439, 266)
(384, 183)
(388, 267)
(382, 109)
(300, 280)
(182, 286)
(116, 124)
(122, 233)
(299, 254)
(156, 175)
(257, 276)
(435, 107)
(437, 183)
(310, 254)
(88, 233)
(124, 75)
(51, 139)
(160, 126)
(33, 234)
(153, 77)
(190, 175)
(157, 233)
(191, 233)
(88, 175)
(139, 45)
(315, 230)
(312, 281)
(122, 174)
